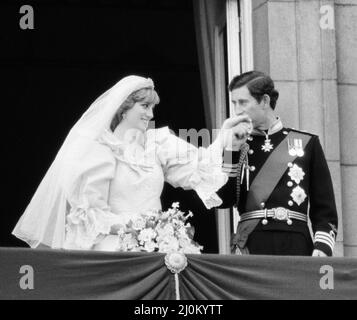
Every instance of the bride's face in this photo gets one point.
(139, 115)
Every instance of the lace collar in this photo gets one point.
(129, 152)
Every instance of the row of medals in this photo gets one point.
(294, 146)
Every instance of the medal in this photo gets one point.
(291, 149)
(298, 147)
(295, 148)
(267, 146)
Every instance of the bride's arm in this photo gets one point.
(189, 167)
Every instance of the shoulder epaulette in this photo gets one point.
(302, 132)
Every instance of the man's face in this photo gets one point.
(245, 104)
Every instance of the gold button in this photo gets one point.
(285, 132)
(290, 183)
(251, 151)
(290, 203)
(262, 204)
(250, 138)
(252, 168)
(290, 164)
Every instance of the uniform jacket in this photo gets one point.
(309, 173)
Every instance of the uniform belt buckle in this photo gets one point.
(281, 214)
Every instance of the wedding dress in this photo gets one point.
(125, 181)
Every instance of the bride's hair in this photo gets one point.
(146, 95)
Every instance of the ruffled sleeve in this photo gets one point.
(90, 217)
(189, 167)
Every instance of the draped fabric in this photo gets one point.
(204, 24)
(74, 274)
(65, 274)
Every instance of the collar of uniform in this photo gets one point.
(275, 127)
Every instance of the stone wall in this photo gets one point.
(346, 44)
(312, 61)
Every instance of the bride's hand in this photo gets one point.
(242, 130)
(235, 120)
(235, 131)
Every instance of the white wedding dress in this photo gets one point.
(120, 180)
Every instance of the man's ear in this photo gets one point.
(266, 101)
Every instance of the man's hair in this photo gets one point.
(258, 84)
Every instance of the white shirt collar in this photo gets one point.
(275, 127)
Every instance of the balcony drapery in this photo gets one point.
(59, 274)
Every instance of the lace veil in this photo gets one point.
(43, 221)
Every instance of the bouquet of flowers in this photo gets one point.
(161, 231)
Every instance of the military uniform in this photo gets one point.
(281, 179)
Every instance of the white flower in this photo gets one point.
(184, 241)
(296, 173)
(298, 194)
(129, 242)
(182, 233)
(178, 224)
(146, 235)
(166, 231)
(167, 239)
(175, 205)
(139, 223)
(165, 215)
(121, 232)
(192, 249)
(150, 246)
(169, 245)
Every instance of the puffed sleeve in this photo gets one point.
(90, 217)
(189, 167)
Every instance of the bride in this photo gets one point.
(111, 168)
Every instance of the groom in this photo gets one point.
(278, 179)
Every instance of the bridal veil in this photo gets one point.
(44, 218)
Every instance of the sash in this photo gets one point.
(271, 172)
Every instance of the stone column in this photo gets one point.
(346, 39)
(300, 56)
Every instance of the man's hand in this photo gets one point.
(318, 253)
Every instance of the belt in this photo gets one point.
(280, 214)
